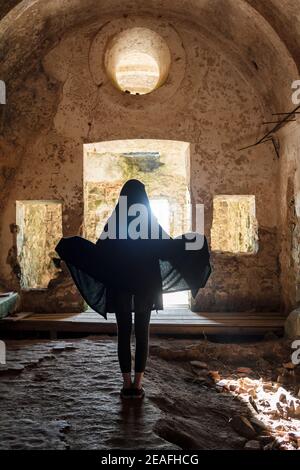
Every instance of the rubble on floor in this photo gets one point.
(266, 384)
(199, 395)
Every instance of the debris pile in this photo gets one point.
(275, 410)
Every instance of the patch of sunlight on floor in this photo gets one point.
(176, 299)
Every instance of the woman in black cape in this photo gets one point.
(131, 265)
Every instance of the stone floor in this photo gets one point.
(65, 395)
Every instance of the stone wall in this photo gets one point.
(67, 101)
(289, 210)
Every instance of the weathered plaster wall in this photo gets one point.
(68, 101)
(260, 38)
(289, 214)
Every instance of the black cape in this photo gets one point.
(164, 265)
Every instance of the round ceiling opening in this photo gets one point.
(138, 61)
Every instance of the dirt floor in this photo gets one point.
(199, 395)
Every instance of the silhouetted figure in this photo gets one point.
(133, 262)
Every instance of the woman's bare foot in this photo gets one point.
(138, 380)
(127, 383)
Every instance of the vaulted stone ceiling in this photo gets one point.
(260, 38)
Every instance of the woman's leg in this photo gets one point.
(124, 326)
(123, 309)
(141, 327)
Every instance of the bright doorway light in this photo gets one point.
(161, 209)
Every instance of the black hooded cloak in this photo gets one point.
(157, 263)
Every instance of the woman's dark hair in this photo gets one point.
(135, 192)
